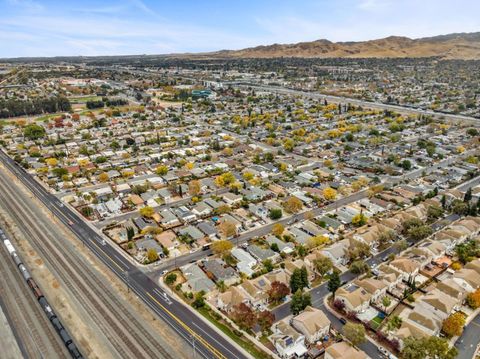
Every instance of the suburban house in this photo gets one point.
(407, 266)
(232, 297)
(219, 271)
(197, 280)
(337, 252)
(355, 298)
(245, 262)
(312, 323)
(344, 350)
(287, 341)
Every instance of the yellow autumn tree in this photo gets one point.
(453, 325)
(292, 204)
(51, 162)
(147, 211)
(103, 177)
(278, 229)
(329, 193)
(194, 187)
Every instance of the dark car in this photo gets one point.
(343, 321)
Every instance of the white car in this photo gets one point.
(384, 352)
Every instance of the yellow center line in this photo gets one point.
(106, 255)
(190, 330)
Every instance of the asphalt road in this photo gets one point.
(320, 292)
(208, 343)
(467, 343)
(175, 204)
(266, 229)
(337, 99)
(257, 232)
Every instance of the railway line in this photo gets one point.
(125, 332)
(205, 341)
(37, 336)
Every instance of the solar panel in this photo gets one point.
(289, 341)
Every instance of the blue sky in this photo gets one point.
(63, 27)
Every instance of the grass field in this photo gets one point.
(376, 322)
(84, 99)
(249, 347)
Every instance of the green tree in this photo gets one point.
(299, 302)
(170, 278)
(386, 237)
(419, 233)
(468, 195)
(34, 131)
(432, 348)
(60, 172)
(472, 132)
(199, 301)
(467, 251)
(268, 265)
(323, 265)
(459, 207)
(394, 323)
(355, 333)
(359, 267)
(130, 233)
(434, 212)
(386, 301)
(406, 165)
(298, 279)
(302, 251)
(334, 282)
(275, 213)
(411, 223)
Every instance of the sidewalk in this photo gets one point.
(213, 326)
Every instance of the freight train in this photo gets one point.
(52, 317)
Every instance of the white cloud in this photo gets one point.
(134, 27)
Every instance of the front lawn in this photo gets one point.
(245, 344)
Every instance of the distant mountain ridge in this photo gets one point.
(464, 46)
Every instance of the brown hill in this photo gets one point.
(453, 46)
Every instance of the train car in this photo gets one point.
(16, 259)
(10, 247)
(26, 275)
(65, 337)
(57, 324)
(47, 309)
(73, 350)
(35, 289)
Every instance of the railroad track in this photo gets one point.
(126, 333)
(38, 337)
